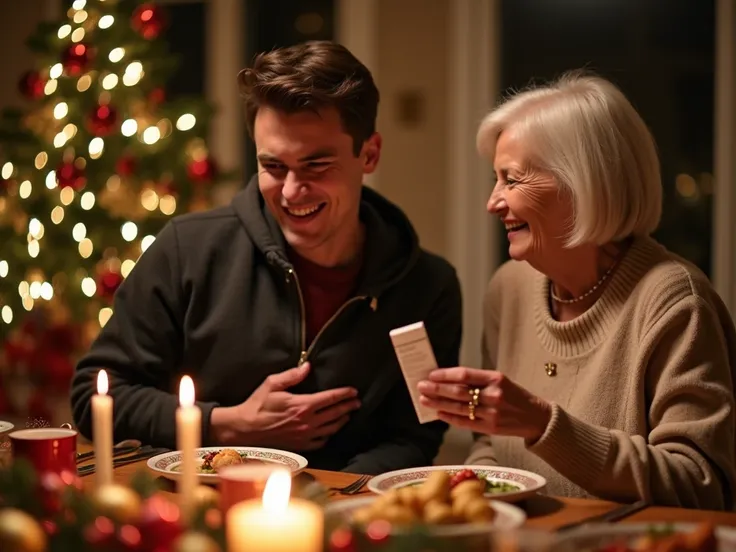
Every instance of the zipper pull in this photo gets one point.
(288, 275)
(302, 358)
(374, 304)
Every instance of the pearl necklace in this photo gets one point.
(592, 290)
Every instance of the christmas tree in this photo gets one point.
(90, 171)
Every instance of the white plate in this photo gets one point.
(595, 536)
(5, 427)
(166, 463)
(507, 517)
(528, 482)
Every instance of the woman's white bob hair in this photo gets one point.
(585, 132)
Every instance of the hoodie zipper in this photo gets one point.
(306, 351)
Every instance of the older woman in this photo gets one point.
(608, 361)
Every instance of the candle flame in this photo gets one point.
(276, 492)
(102, 384)
(186, 391)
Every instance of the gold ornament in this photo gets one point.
(118, 503)
(195, 542)
(19, 532)
(206, 496)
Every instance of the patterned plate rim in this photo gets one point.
(6, 426)
(529, 481)
(516, 515)
(294, 462)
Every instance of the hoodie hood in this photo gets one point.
(391, 244)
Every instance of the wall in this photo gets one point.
(412, 68)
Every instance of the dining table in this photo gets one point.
(543, 512)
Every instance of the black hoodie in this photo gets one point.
(214, 297)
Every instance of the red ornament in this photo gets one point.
(202, 170)
(148, 20)
(57, 369)
(126, 165)
(378, 531)
(61, 338)
(108, 283)
(102, 120)
(76, 59)
(69, 175)
(159, 524)
(342, 540)
(157, 96)
(31, 85)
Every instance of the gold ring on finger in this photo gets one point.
(471, 411)
(474, 395)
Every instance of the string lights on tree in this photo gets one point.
(92, 167)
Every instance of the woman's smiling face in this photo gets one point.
(535, 210)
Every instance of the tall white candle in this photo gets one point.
(102, 430)
(275, 523)
(188, 436)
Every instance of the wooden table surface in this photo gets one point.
(544, 512)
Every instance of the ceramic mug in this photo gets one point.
(48, 449)
(243, 482)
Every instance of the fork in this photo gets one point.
(354, 487)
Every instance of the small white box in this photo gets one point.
(417, 360)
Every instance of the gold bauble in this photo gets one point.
(206, 496)
(118, 503)
(195, 542)
(19, 532)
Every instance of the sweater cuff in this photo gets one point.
(572, 446)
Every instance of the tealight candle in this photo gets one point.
(102, 430)
(275, 523)
(188, 435)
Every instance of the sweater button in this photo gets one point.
(551, 369)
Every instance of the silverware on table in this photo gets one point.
(616, 514)
(124, 447)
(354, 487)
(145, 453)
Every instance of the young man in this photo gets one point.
(280, 305)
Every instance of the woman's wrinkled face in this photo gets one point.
(537, 214)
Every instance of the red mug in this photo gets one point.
(243, 482)
(46, 449)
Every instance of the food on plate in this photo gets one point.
(436, 501)
(700, 539)
(213, 461)
(491, 487)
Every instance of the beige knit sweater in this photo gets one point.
(643, 398)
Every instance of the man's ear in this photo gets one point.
(371, 153)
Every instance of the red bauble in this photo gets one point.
(31, 85)
(148, 20)
(70, 176)
(157, 96)
(342, 540)
(202, 171)
(126, 165)
(102, 120)
(108, 283)
(18, 352)
(160, 524)
(76, 59)
(57, 368)
(61, 338)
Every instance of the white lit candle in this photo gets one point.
(188, 435)
(275, 523)
(102, 430)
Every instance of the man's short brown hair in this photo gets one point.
(312, 76)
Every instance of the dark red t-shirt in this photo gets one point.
(325, 289)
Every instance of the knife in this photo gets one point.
(117, 450)
(143, 455)
(616, 514)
